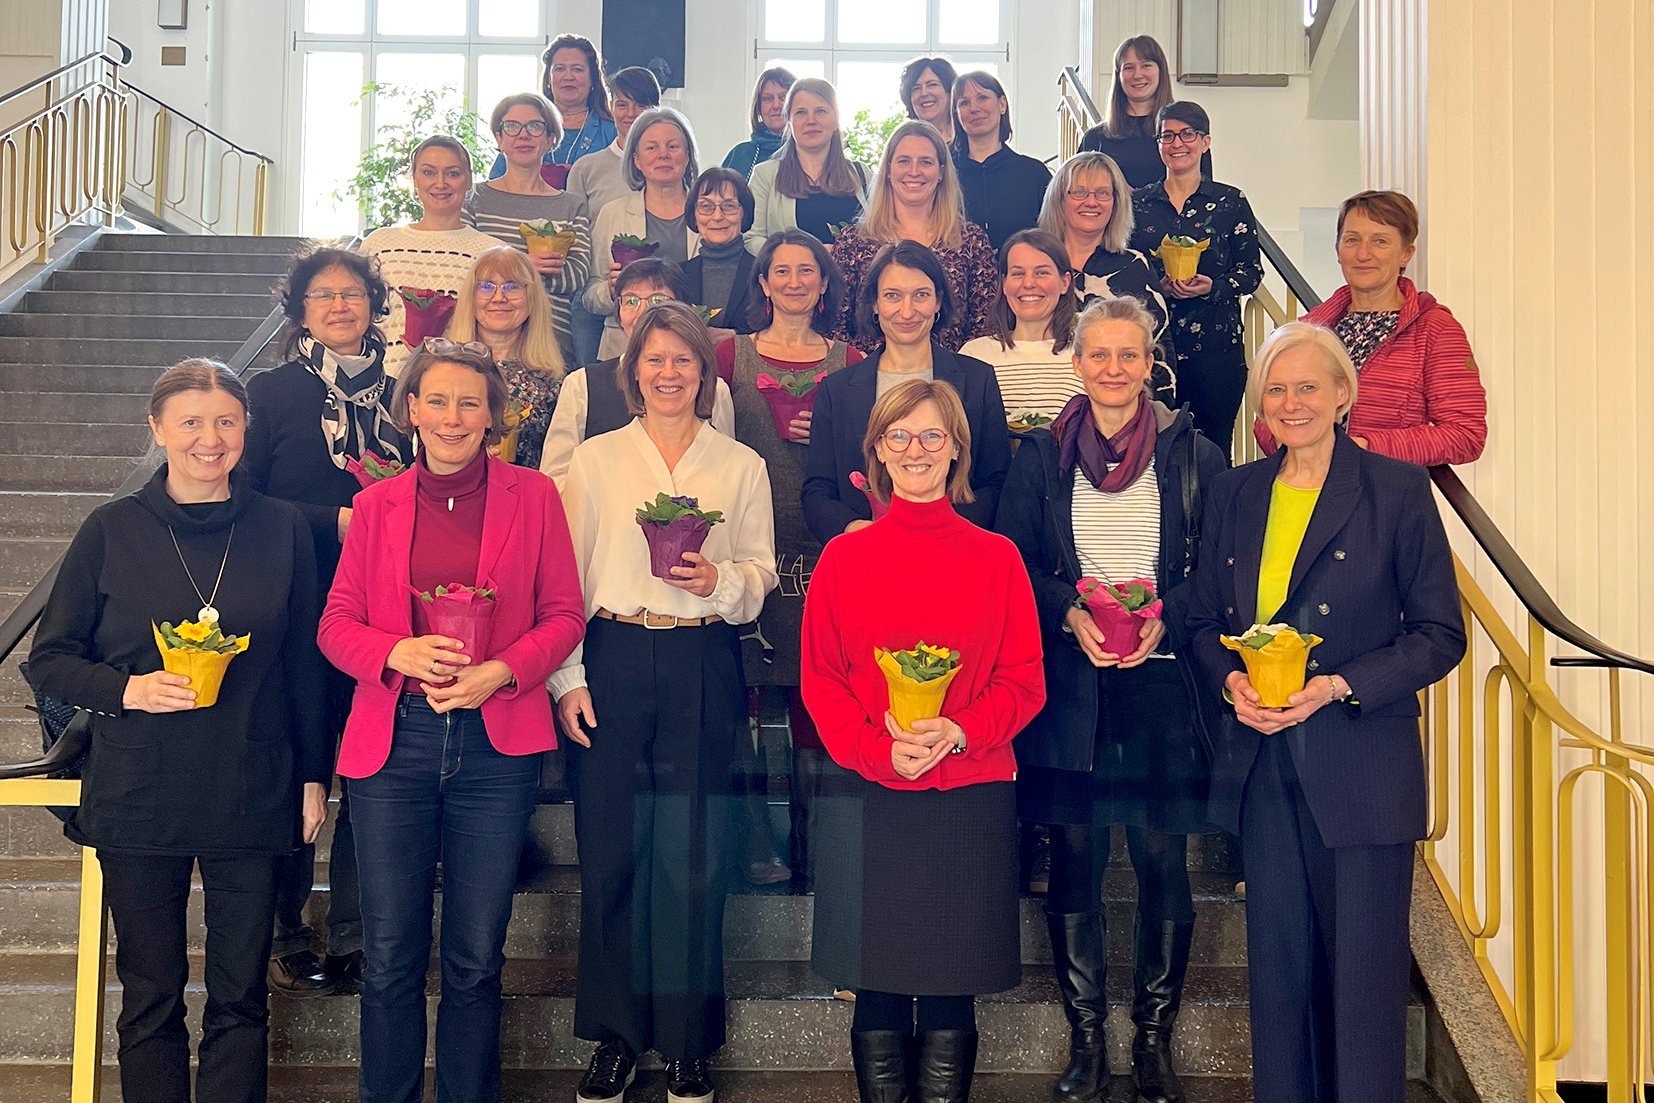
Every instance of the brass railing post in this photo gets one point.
(162, 154)
(261, 183)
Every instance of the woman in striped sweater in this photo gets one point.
(1421, 396)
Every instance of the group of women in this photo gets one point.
(913, 499)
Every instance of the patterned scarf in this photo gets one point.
(356, 419)
(1083, 443)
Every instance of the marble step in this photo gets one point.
(137, 260)
(152, 304)
(193, 327)
(45, 513)
(184, 282)
(159, 351)
(98, 474)
(201, 243)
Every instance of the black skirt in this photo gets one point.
(1150, 769)
(916, 891)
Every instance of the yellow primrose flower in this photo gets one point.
(939, 652)
(194, 631)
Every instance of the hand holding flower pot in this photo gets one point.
(1275, 656)
(1120, 611)
(371, 469)
(788, 395)
(464, 612)
(199, 651)
(425, 315)
(918, 679)
(1181, 255)
(672, 526)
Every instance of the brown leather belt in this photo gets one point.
(659, 620)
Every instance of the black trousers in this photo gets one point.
(1326, 940)
(1212, 387)
(296, 879)
(147, 898)
(652, 816)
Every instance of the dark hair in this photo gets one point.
(825, 318)
(913, 70)
(1185, 111)
(597, 100)
(713, 181)
(1118, 121)
(669, 274)
(988, 83)
(908, 254)
(421, 361)
(198, 373)
(1387, 208)
(548, 113)
(775, 74)
(306, 267)
(682, 321)
(1000, 315)
(637, 84)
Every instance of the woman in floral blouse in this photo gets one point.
(917, 198)
(1206, 314)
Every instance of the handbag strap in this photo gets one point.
(1190, 481)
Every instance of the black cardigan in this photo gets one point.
(222, 780)
(733, 313)
(1002, 194)
(1374, 579)
(843, 405)
(1036, 511)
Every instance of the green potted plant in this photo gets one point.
(381, 188)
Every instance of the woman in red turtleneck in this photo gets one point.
(916, 903)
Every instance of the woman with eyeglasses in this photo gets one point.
(525, 128)
(1142, 86)
(916, 895)
(571, 77)
(810, 185)
(904, 297)
(428, 258)
(504, 307)
(1206, 308)
(768, 116)
(317, 417)
(1003, 188)
(441, 755)
(720, 275)
(590, 402)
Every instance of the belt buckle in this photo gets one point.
(667, 621)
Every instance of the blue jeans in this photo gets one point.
(445, 793)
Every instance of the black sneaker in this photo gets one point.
(299, 975)
(688, 1081)
(613, 1068)
(346, 972)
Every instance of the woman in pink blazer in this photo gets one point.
(440, 754)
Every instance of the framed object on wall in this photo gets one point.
(173, 15)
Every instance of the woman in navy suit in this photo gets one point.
(1328, 794)
(904, 297)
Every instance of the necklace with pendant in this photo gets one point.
(206, 614)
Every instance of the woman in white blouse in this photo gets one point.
(658, 164)
(652, 704)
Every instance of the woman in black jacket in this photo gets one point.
(720, 275)
(316, 416)
(905, 298)
(169, 783)
(1111, 491)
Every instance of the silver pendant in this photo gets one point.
(207, 615)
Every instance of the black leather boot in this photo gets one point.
(947, 1061)
(882, 1059)
(1162, 963)
(804, 783)
(1077, 951)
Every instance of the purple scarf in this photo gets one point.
(1129, 450)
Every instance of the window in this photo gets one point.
(474, 52)
(861, 45)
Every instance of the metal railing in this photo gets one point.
(186, 174)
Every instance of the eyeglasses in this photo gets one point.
(712, 206)
(1080, 195)
(512, 128)
(1187, 137)
(352, 296)
(632, 302)
(441, 346)
(486, 289)
(931, 440)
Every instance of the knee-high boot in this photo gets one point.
(883, 1060)
(947, 1061)
(1078, 952)
(1162, 963)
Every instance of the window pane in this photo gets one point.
(502, 75)
(425, 18)
(332, 142)
(333, 16)
(969, 22)
(795, 20)
(508, 18)
(799, 67)
(868, 85)
(412, 75)
(895, 21)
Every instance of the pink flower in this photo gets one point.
(859, 481)
(767, 382)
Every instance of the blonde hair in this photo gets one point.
(1293, 335)
(897, 403)
(838, 174)
(535, 346)
(947, 214)
(1053, 216)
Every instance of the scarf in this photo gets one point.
(355, 417)
(764, 146)
(1128, 451)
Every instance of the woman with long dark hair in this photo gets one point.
(571, 77)
(1142, 86)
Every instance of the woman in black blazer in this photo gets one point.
(904, 296)
(1112, 491)
(720, 211)
(1328, 794)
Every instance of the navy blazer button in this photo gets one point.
(1231, 561)
(1314, 664)
(1339, 554)
(1230, 609)
(1324, 609)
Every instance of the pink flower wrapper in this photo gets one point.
(426, 321)
(465, 619)
(624, 254)
(784, 407)
(668, 542)
(859, 481)
(1122, 628)
(556, 175)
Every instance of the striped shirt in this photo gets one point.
(1117, 536)
(1030, 375)
(498, 214)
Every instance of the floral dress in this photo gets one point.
(971, 272)
(537, 391)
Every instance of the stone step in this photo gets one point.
(97, 474)
(19, 734)
(134, 260)
(92, 406)
(14, 692)
(134, 379)
(73, 440)
(25, 559)
(149, 304)
(44, 513)
(160, 352)
(174, 328)
(187, 282)
(200, 243)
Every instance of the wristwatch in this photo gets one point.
(959, 747)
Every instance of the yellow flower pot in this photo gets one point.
(204, 669)
(1182, 261)
(1277, 669)
(910, 700)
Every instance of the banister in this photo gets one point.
(97, 55)
(126, 51)
(1288, 271)
(1082, 91)
(203, 127)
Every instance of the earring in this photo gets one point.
(821, 306)
(769, 307)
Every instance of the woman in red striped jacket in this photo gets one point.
(1421, 397)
